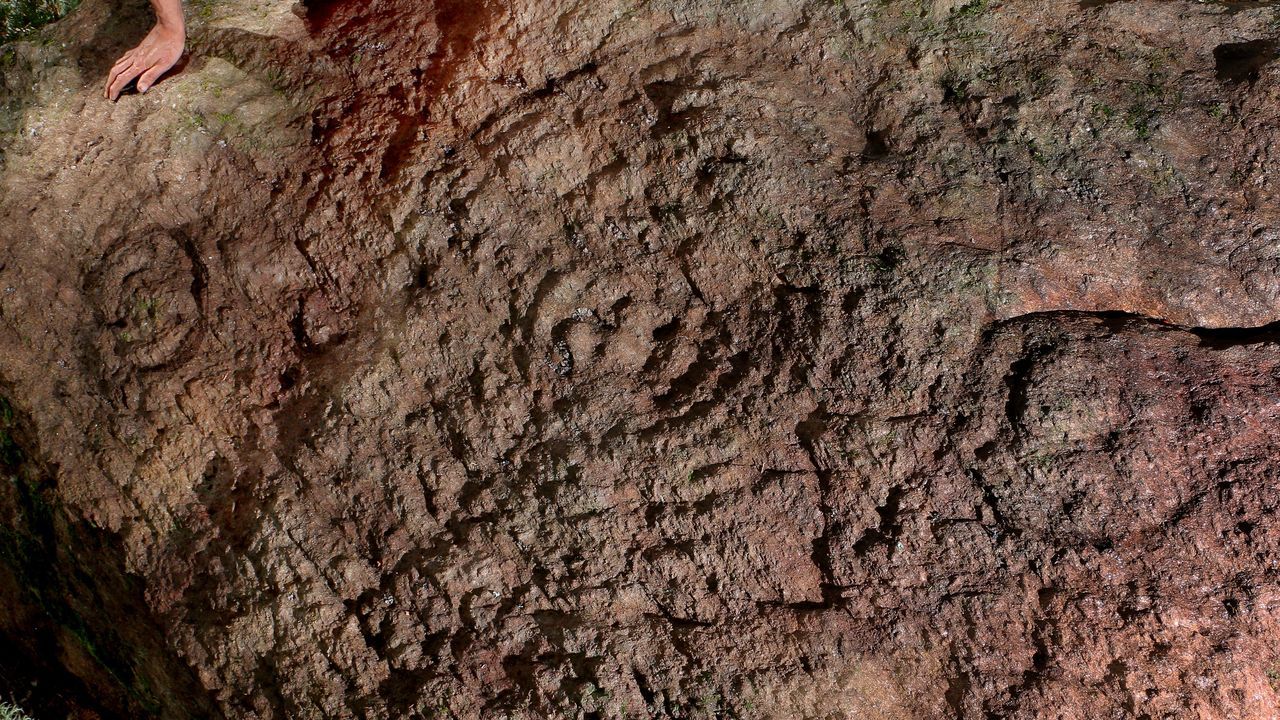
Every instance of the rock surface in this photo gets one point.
(645, 359)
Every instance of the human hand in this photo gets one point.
(158, 51)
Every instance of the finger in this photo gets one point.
(130, 57)
(149, 77)
(122, 80)
(118, 71)
(111, 78)
(114, 82)
(121, 65)
(125, 59)
(117, 87)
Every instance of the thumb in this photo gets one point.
(149, 78)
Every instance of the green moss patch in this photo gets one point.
(19, 17)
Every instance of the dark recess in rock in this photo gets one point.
(1238, 62)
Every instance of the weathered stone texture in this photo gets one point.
(666, 359)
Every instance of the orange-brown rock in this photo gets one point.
(668, 359)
